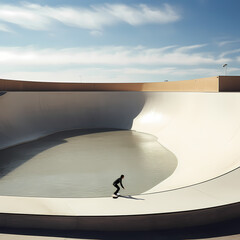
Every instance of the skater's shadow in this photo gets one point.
(130, 197)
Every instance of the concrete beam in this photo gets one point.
(210, 84)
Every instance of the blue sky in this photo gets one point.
(118, 41)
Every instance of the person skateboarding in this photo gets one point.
(115, 184)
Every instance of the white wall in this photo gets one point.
(201, 129)
(29, 115)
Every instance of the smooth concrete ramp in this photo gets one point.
(201, 129)
(84, 163)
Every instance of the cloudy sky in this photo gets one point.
(118, 41)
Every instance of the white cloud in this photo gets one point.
(229, 52)
(190, 48)
(110, 63)
(238, 59)
(200, 72)
(95, 18)
(115, 75)
(223, 43)
(142, 13)
(92, 18)
(111, 55)
(172, 71)
(96, 33)
(147, 71)
(23, 16)
(5, 28)
(233, 69)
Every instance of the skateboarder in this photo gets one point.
(115, 184)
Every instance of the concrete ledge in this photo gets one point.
(210, 84)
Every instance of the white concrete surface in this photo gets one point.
(72, 164)
(201, 129)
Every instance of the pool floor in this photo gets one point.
(84, 163)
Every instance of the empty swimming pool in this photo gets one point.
(198, 131)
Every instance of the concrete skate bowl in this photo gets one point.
(202, 130)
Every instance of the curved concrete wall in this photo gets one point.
(26, 116)
(201, 129)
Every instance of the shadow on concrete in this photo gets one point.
(130, 197)
(22, 151)
(95, 160)
(62, 112)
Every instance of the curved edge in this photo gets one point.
(123, 223)
(150, 192)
